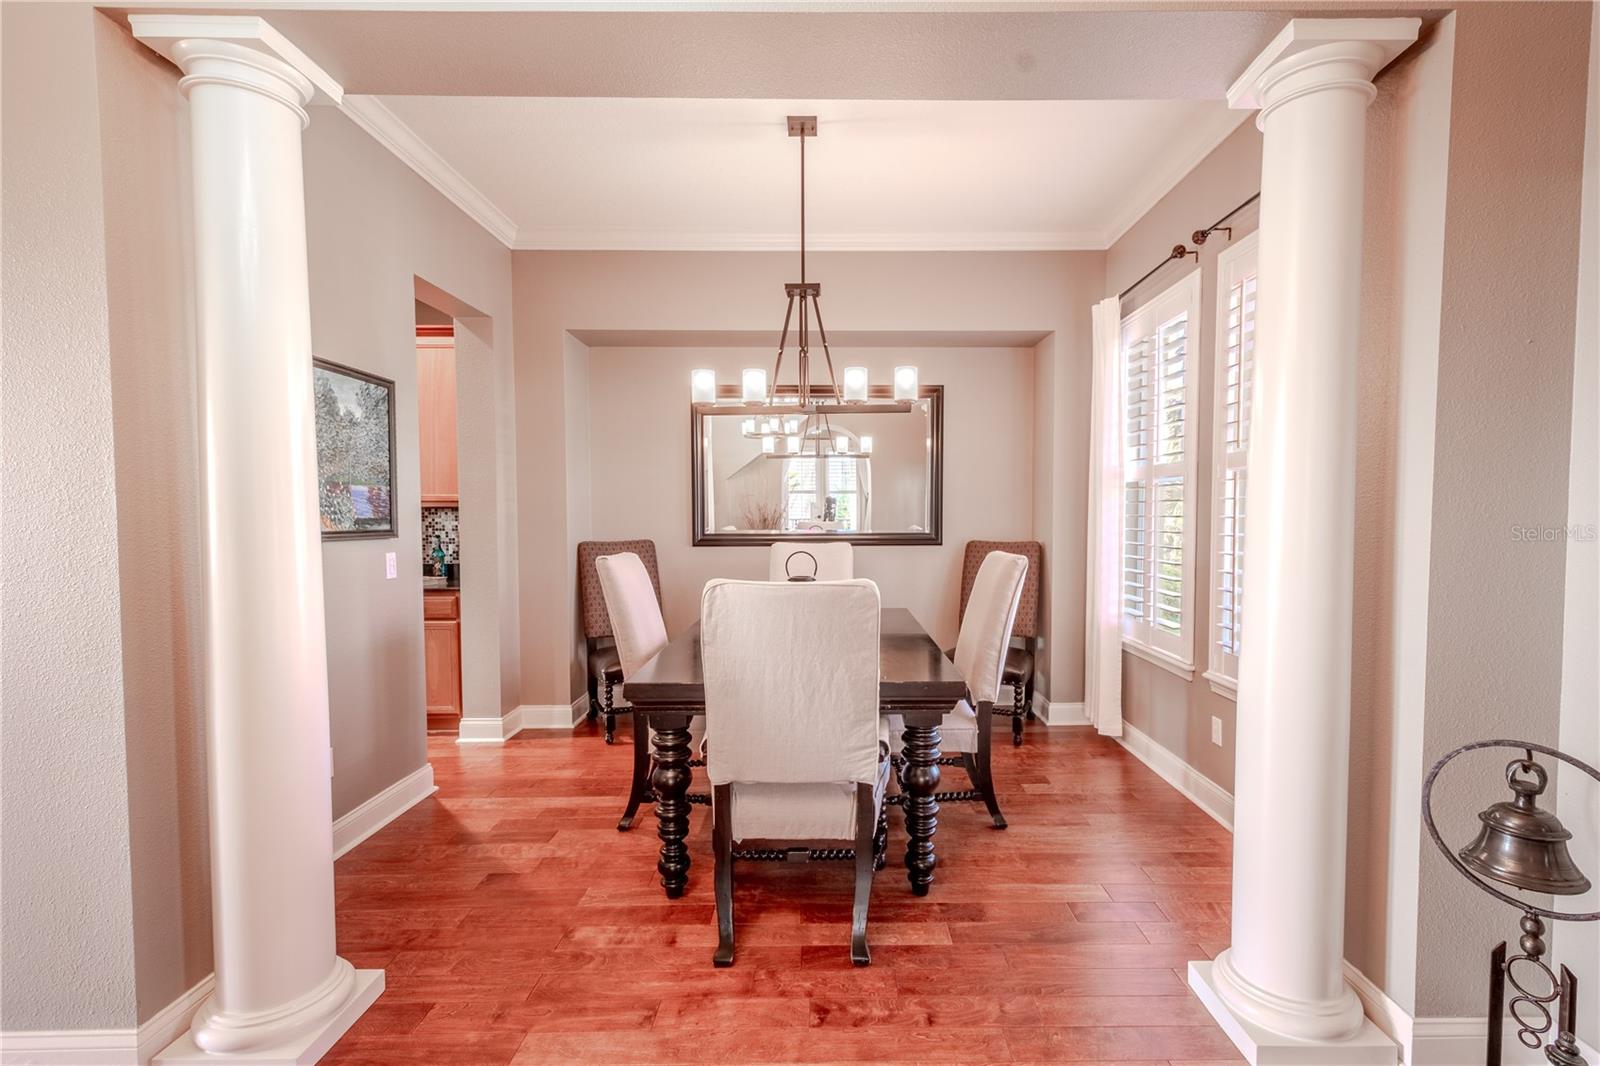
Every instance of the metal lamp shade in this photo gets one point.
(1522, 845)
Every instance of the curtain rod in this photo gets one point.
(1180, 251)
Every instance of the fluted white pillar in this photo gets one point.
(282, 993)
(1279, 988)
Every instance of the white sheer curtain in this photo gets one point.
(1102, 659)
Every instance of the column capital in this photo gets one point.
(1309, 55)
(240, 50)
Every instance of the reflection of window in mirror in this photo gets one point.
(828, 493)
(748, 486)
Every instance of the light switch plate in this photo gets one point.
(391, 568)
(1216, 731)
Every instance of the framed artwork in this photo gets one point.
(355, 451)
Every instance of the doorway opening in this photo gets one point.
(440, 517)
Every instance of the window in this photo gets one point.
(812, 484)
(1236, 346)
(1158, 477)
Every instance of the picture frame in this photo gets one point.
(354, 425)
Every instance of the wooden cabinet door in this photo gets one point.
(441, 655)
(436, 421)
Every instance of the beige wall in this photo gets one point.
(639, 467)
(158, 511)
(1402, 276)
(66, 924)
(373, 227)
(1578, 946)
(1503, 438)
(1174, 712)
(106, 911)
(562, 293)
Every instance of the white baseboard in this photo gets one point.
(489, 730)
(382, 809)
(1385, 1013)
(172, 1021)
(106, 1047)
(554, 715)
(525, 716)
(1201, 790)
(1059, 714)
(1460, 1042)
(1441, 1041)
(70, 1047)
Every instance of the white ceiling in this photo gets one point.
(574, 172)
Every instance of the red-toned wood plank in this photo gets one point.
(517, 925)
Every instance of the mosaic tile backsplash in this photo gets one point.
(439, 526)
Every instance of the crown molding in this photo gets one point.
(1179, 165)
(372, 115)
(673, 241)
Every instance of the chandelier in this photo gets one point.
(800, 421)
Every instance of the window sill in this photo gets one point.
(1223, 685)
(1166, 660)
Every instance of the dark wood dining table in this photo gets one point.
(917, 682)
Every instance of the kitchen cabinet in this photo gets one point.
(436, 419)
(441, 656)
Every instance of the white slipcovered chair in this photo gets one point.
(981, 658)
(640, 632)
(800, 763)
(835, 560)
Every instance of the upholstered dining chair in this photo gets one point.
(799, 766)
(605, 665)
(1018, 672)
(640, 632)
(830, 560)
(980, 658)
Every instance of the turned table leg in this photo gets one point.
(671, 777)
(920, 781)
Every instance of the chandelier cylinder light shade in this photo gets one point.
(905, 383)
(754, 381)
(855, 384)
(703, 385)
(808, 432)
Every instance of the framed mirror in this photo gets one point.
(877, 477)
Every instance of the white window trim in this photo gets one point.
(1223, 685)
(1182, 295)
(1166, 660)
(1241, 255)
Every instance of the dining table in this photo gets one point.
(916, 682)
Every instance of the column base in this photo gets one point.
(1368, 1046)
(302, 1050)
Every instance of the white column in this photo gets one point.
(282, 994)
(1279, 989)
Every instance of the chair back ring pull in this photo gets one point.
(815, 567)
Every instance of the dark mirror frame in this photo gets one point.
(700, 538)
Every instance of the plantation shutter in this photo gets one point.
(1157, 540)
(1236, 332)
(1136, 523)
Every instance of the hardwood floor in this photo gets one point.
(516, 925)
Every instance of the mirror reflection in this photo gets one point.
(862, 474)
